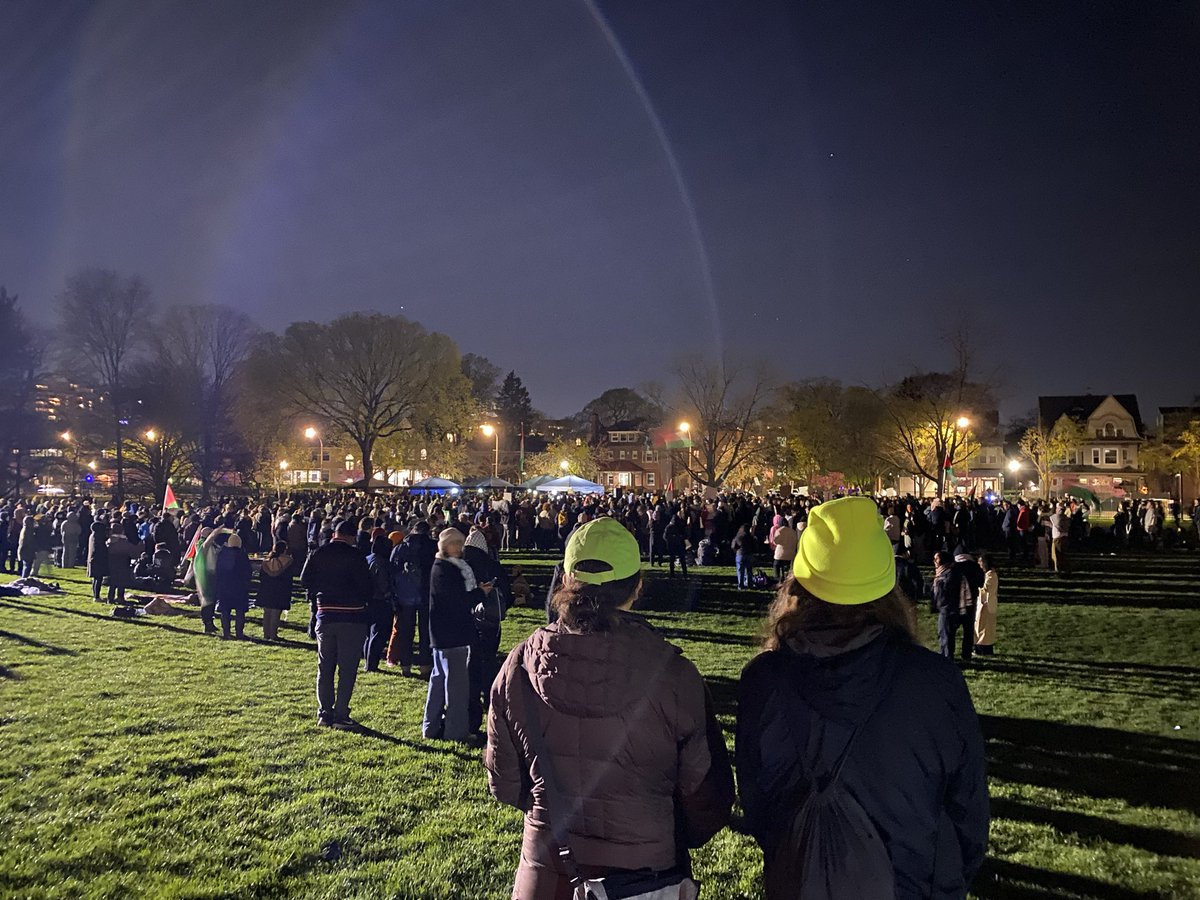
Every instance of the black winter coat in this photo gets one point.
(917, 767)
(450, 605)
(97, 558)
(275, 590)
(337, 577)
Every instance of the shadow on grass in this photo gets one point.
(51, 649)
(1004, 879)
(1155, 840)
(1141, 769)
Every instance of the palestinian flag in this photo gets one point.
(191, 550)
(670, 439)
(169, 501)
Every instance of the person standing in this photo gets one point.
(453, 595)
(985, 612)
(1060, 535)
(97, 556)
(121, 554)
(676, 541)
(383, 608)
(412, 564)
(27, 546)
(337, 578)
(275, 588)
(956, 584)
(70, 540)
(482, 664)
(604, 735)
(844, 707)
(232, 578)
(743, 555)
(783, 540)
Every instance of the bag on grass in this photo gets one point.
(759, 579)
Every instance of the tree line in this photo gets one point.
(200, 394)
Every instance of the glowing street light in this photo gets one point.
(1014, 465)
(310, 432)
(963, 422)
(66, 436)
(493, 431)
(92, 465)
(151, 435)
(283, 465)
(685, 427)
(564, 465)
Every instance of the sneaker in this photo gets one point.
(346, 724)
(475, 740)
(324, 723)
(406, 671)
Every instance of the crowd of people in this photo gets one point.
(415, 582)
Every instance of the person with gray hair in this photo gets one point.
(453, 595)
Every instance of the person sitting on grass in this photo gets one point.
(860, 760)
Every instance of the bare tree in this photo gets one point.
(104, 320)
(1047, 444)
(202, 346)
(723, 402)
(367, 375)
(932, 414)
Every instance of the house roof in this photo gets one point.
(620, 465)
(625, 425)
(1081, 406)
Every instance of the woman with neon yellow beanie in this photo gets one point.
(860, 760)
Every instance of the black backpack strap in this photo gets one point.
(555, 806)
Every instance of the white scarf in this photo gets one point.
(467, 574)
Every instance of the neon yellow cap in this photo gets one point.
(603, 540)
(844, 555)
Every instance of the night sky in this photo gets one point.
(863, 178)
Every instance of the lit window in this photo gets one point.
(1110, 456)
(649, 479)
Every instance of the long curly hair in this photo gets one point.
(795, 612)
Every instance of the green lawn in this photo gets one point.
(141, 758)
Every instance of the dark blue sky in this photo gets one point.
(864, 178)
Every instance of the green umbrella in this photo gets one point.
(1082, 493)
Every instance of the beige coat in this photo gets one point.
(985, 611)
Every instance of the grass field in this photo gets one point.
(141, 758)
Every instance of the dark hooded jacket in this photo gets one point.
(97, 558)
(917, 766)
(634, 744)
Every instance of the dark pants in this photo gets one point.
(481, 669)
(116, 594)
(782, 567)
(658, 548)
(97, 583)
(378, 635)
(339, 648)
(207, 615)
(235, 616)
(949, 622)
(681, 555)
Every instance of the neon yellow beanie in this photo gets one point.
(844, 555)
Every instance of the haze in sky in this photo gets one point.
(863, 180)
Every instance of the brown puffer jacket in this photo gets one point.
(634, 741)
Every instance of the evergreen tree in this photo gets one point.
(513, 408)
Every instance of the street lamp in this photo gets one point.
(685, 427)
(963, 422)
(66, 436)
(312, 434)
(493, 431)
(565, 466)
(1014, 465)
(151, 435)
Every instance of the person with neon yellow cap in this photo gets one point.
(860, 759)
(604, 735)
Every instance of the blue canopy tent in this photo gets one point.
(533, 483)
(491, 483)
(435, 486)
(571, 483)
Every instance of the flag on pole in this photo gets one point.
(191, 550)
(169, 501)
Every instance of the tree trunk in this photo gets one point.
(365, 446)
(120, 494)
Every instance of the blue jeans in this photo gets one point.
(948, 624)
(449, 696)
(745, 569)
